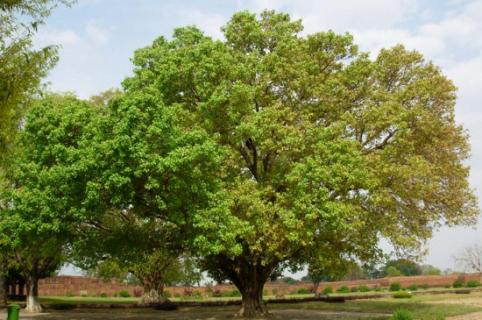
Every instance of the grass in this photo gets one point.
(422, 307)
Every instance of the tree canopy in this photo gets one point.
(325, 147)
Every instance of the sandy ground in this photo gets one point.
(204, 314)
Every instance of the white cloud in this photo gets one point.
(51, 36)
(97, 34)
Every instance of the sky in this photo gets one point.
(98, 37)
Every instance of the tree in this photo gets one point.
(47, 173)
(21, 70)
(144, 198)
(404, 267)
(325, 148)
(471, 258)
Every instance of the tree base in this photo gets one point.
(253, 310)
(33, 306)
(153, 297)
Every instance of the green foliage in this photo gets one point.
(402, 295)
(425, 286)
(231, 293)
(327, 290)
(412, 287)
(392, 271)
(473, 284)
(363, 288)
(404, 267)
(458, 283)
(395, 286)
(354, 289)
(401, 315)
(124, 294)
(302, 291)
(343, 289)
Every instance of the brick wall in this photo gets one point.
(75, 285)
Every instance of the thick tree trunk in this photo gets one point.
(252, 301)
(33, 305)
(153, 294)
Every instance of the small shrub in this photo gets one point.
(327, 290)
(412, 287)
(103, 295)
(473, 284)
(69, 294)
(265, 292)
(167, 294)
(83, 293)
(124, 294)
(363, 288)
(425, 286)
(459, 283)
(402, 295)
(402, 315)
(378, 289)
(354, 289)
(231, 293)
(177, 295)
(343, 289)
(302, 291)
(395, 286)
(447, 286)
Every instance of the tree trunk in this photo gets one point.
(250, 279)
(316, 285)
(154, 294)
(252, 301)
(33, 305)
(21, 286)
(3, 283)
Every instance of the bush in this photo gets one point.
(363, 288)
(425, 286)
(473, 284)
(69, 294)
(402, 295)
(124, 294)
(354, 289)
(343, 289)
(378, 289)
(395, 286)
(412, 287)
(459, 283)
(302, 291)
(402, 315)
(327, 290)
(103, 295)
(231, 293)
(167, 294)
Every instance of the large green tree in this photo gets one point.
(47, 176)
(21, 70)
(325, 148)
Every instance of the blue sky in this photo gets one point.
(98, 37)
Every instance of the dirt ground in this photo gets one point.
(194, 314)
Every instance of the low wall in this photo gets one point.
(76, 285)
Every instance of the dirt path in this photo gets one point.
(470, 316)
